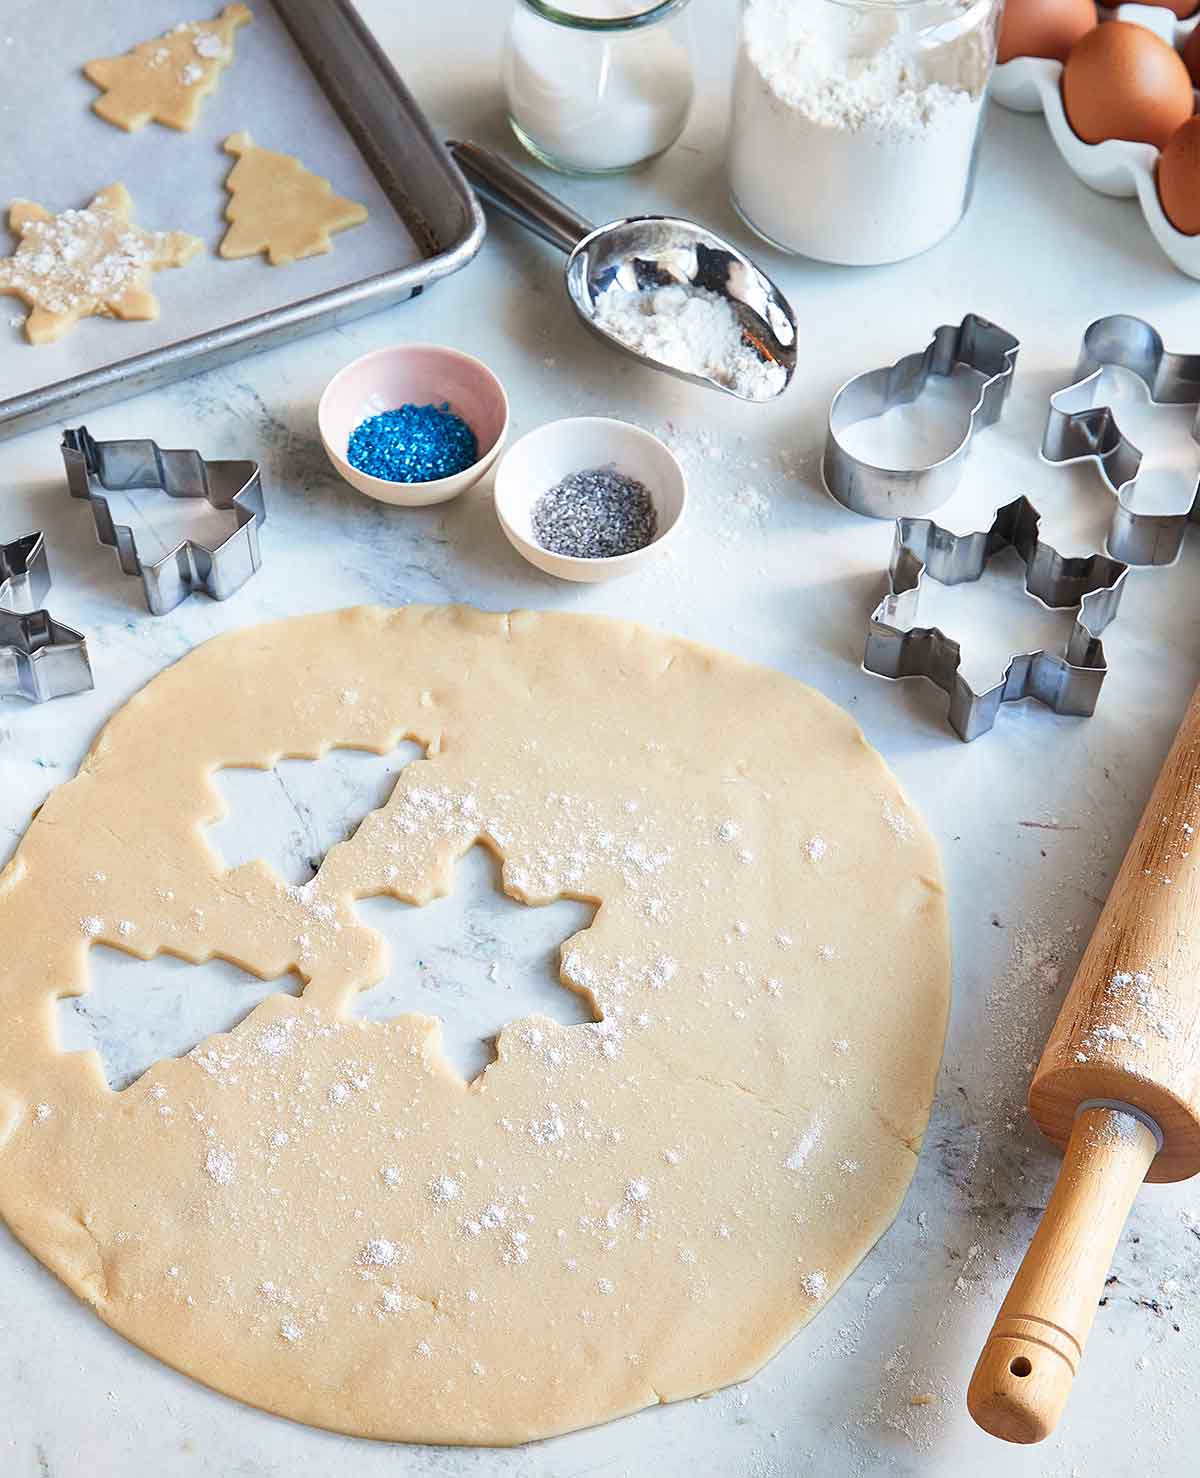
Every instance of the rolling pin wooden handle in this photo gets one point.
(1027, 1367)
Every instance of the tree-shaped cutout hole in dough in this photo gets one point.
(477, 959)
(137, 1012)
(290, 817)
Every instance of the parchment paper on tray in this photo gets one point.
(358, 126)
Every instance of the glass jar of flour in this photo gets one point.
(597, 86)
(856, 123)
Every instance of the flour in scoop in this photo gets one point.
(692, 329)
(855, 130)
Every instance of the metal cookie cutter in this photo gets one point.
(24, 573)
(910, 492)
(95, 468)
(39, 657)
(1077, 430)
(1069, 684)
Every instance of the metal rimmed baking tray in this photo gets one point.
(307, 78)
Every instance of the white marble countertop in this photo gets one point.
(1033, 818)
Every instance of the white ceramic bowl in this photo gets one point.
(417, 374)
(542, 458)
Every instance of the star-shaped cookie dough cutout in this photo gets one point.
(166, 79)
(86, 262)
(279, 207)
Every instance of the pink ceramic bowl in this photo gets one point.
(418, 374)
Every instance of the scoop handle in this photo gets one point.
(515, 195)
(1028, 1365)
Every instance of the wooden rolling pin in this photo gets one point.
(1119, 1087)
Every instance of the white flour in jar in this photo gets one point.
(591, 101)
(851, 142)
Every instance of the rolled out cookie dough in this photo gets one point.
(314, 1213)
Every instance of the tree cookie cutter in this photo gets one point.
(96, 468)
(40, 658)
(1078, 431)
(1068, 684)
(912, 492)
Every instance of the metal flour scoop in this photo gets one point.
(640, 253)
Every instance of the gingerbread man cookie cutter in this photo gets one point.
(1067, 684)
(1077, 430)
(96, 468)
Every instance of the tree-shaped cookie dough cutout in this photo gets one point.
(166, 79)
(84, 263)
(136, 1012)
(280, 207)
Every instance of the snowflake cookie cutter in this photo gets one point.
(40, 658)
(1078, 431)
(24, 573)
(96, 468)
(911, 492)
(1067, 684)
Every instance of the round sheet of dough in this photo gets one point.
(315, 1213)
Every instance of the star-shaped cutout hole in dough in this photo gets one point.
(87, 262)
(279, 207)
(166, 79)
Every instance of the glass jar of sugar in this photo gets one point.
(597, 86)
(856, 123)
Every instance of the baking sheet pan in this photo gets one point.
(338, 106)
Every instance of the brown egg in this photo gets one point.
(1179, 178)
(1191, 56)
(1122, 82)
(1046, 28)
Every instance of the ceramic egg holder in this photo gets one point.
(1032, 84)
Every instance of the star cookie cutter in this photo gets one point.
(96, 468)
(1068, 684)
(24, 573)
(40, 658)
(911, 492)
(1078, 431)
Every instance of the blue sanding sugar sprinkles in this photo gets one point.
(416, 443)
(595, 514)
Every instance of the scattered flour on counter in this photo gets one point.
(220, 1166)
(898, 821)
(814, 1283)
(378, 1252)
(805, 1145)
(444, 1188)
(692, 329)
